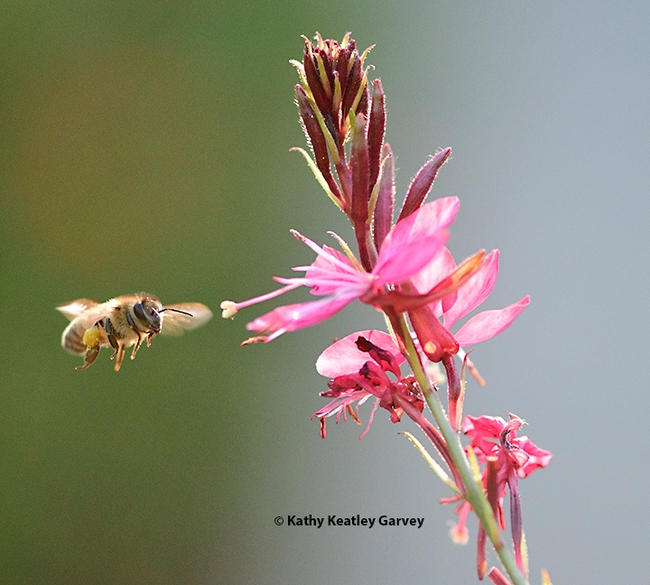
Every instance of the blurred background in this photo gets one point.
(145, 146)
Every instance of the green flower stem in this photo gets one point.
(473, 491)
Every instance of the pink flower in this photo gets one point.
(507, 459)
(407, 249)
(491, 437)
(344, 356)
(359, 366)
(481, 327)
(436, 339)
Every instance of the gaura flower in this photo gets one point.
(507, 458)
(436, 338)
(366, 365)
(492, 437)
(359, 366)
(410, 245)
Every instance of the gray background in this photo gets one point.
(146, 146)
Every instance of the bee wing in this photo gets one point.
(75, 308)
(177, 323)
(84, 313)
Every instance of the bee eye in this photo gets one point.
(139, 311)
(146, 313)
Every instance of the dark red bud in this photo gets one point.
(384, 206)
(352, 86)
(342, 68)
(516, 522)
(481, 561)
(376, 130)
(454, 391)
(362, 107)
(360, 188)
(316, 139)
(422, 183)
(498, 578)
(312, 74)
(328, 72)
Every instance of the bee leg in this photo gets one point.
(110, 333)
(92, 340)
(90, 357)
(116, 348)
(119, 355)
(137, 346)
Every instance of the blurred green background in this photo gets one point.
(145, 146)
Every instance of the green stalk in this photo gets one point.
(473, 491)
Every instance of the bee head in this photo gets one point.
(148, 314)
(148, 310)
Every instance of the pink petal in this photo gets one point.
(298, 316)
(322, 263)
(343, 357)
(398, 264)
(426, 221)
(414, 241)
(487, 324)
(440, 267)
(473, 292)
(339, 404)
(438, 214)
(537, 457)
(483, 426)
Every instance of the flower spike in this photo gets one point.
(403, 269)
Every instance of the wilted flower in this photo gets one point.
(507, 459)
(359, 366)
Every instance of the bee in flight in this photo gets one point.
(123, 322)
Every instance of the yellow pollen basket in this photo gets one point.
(91, 337)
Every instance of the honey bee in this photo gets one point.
(123, 322)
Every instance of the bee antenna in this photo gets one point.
(176, 311)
